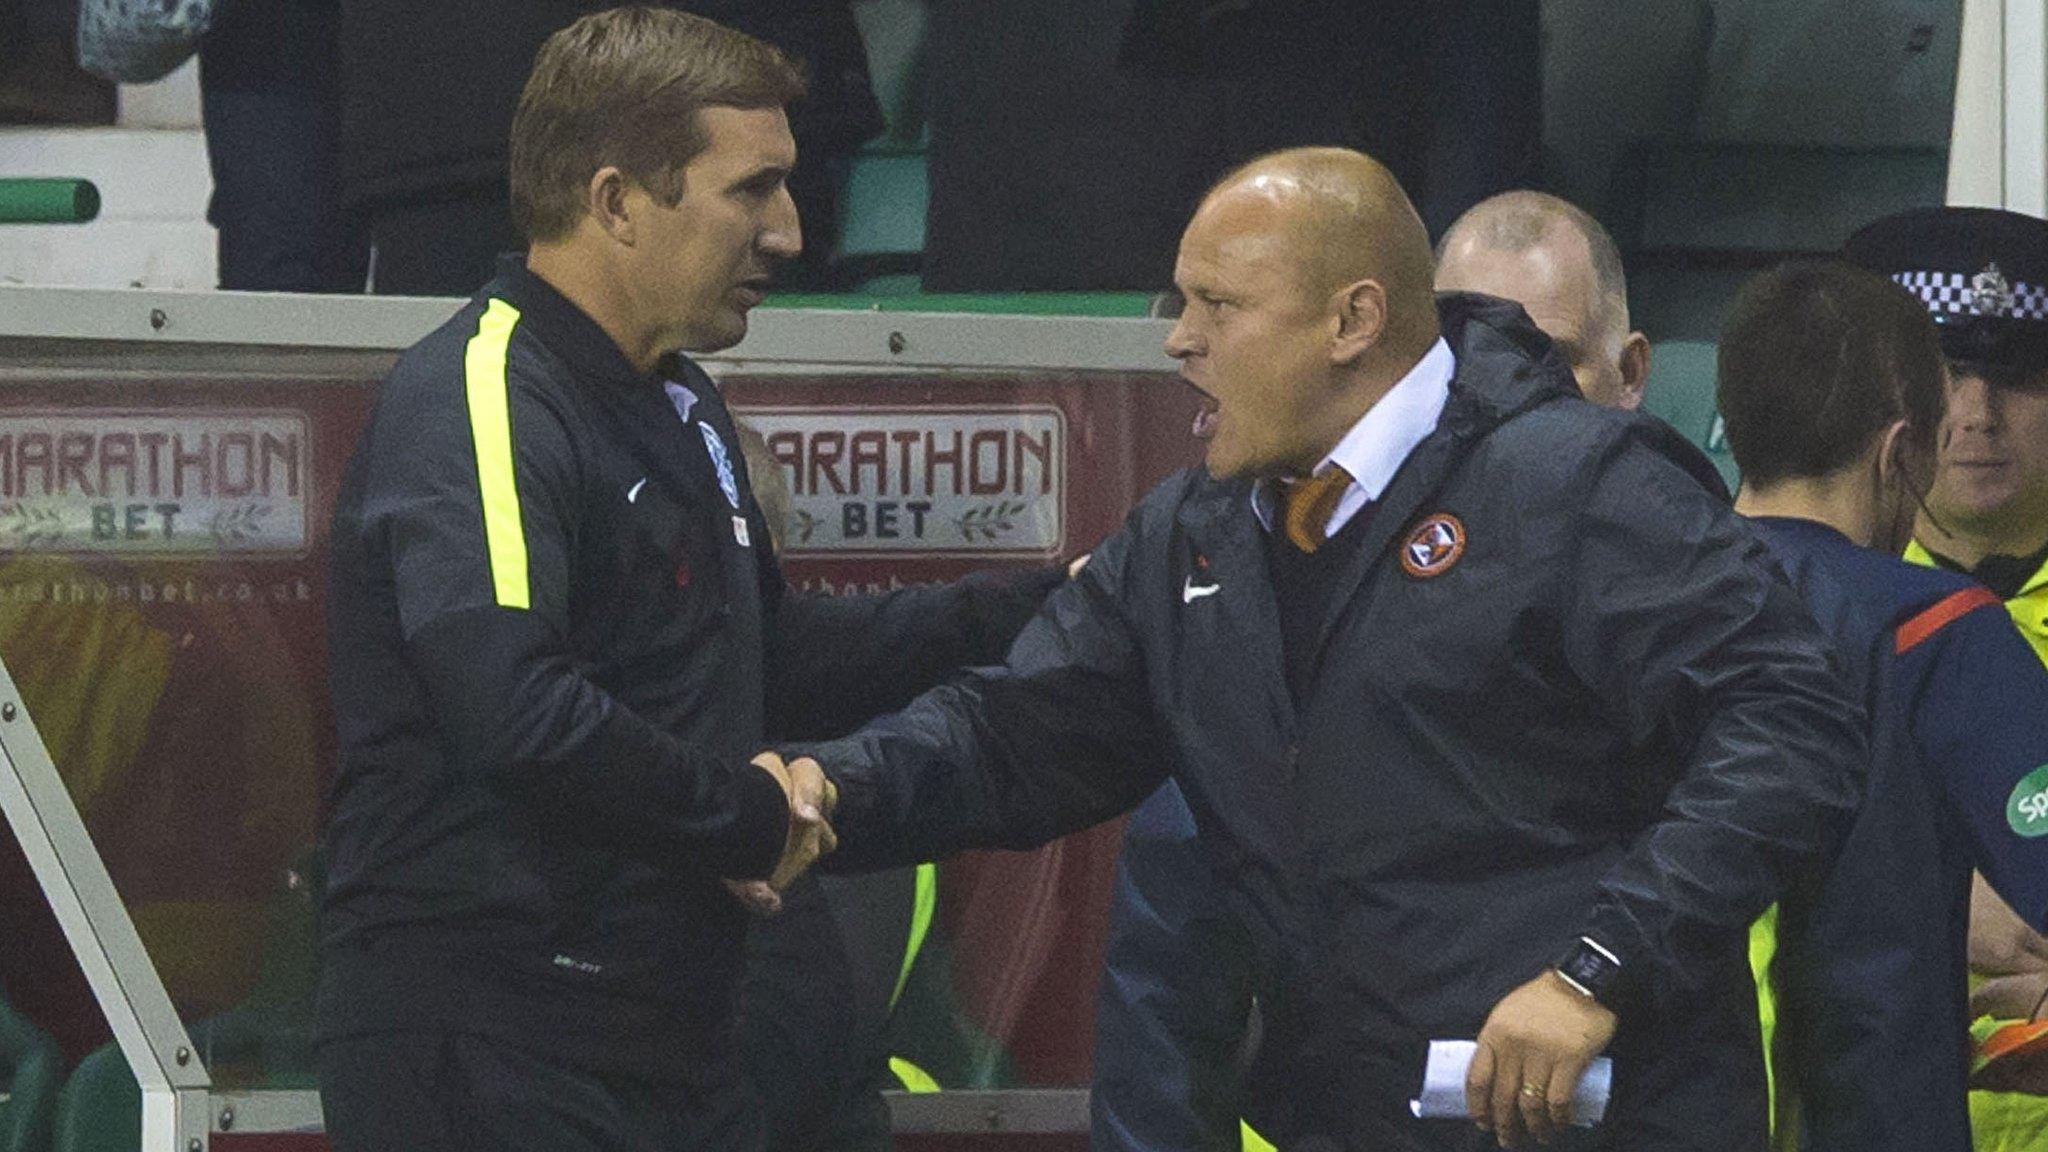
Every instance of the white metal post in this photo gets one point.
(1976, 153)
(2026, 106)
(125, 983)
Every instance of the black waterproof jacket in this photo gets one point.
(1606, 717)
(557, 634)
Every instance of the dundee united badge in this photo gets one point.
(1434, 547)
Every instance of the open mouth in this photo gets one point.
(1206, 416)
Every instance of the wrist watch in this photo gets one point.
(1590, 968)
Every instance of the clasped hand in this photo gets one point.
(812, 798)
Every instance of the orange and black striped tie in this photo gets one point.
(1307, 505)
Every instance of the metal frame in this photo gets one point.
(132, 321)
(1053, 1111)
(124, 982)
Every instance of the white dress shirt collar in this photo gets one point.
(1382, 440)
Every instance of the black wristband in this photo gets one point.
(1589, 967)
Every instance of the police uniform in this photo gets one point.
(1983, 274)
(1870, 975)
(1550, 692)
(557, 635)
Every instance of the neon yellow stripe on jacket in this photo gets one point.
(1763, 949)
(924, 902)
(490, 427)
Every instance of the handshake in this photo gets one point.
(811, 801)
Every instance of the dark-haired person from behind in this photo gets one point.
(1831, 382)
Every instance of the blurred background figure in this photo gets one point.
(1562, 267)
(40, 80)
(428, 92)
(1070, 138)
(269, 95)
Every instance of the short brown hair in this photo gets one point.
(623, 87)
(1817, 359)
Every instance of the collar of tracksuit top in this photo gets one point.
(1375, 447)
(567, 330)
(658, 429)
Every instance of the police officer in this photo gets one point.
(1983, 275)
(558, 632)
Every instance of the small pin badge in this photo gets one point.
(739, 531)
(1990, 293)
(1434, 547)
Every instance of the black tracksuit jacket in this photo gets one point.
(557, 635)
(1608, 717)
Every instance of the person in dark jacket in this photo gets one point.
(428, 92)
(1831, 381)
(558, 632)
(1495, 720)
(1171, 1012)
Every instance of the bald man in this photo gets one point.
(1561, 266)
(1170, 1011)
(1494, 720)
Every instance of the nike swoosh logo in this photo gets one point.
(633, 493)
(1189, 593)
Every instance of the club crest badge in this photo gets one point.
(1990, 293)
(1434, 547)
(722, 460)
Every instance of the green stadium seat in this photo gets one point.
(1681, 393)
(31, 1076)
(881, 216)
(100, 1107)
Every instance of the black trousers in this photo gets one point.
(428, 1092)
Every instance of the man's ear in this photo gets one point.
(610, 201)
(1361, 312)
(1635, 369)
(1892, 453)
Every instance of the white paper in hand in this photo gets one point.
(1443, 1085)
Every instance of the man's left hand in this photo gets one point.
(1532, 1051)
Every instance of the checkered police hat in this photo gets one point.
(1982, 272)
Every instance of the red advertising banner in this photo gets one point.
(162, 602)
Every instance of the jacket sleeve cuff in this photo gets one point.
(1629, 989)
(760, 826)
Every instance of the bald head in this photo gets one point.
(1560, 265)
(1344, 220)
(1305, 281)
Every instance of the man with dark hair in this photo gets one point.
(558, 631)
(1831, 381)
(1493, 718)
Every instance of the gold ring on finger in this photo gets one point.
(1531, 1090)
